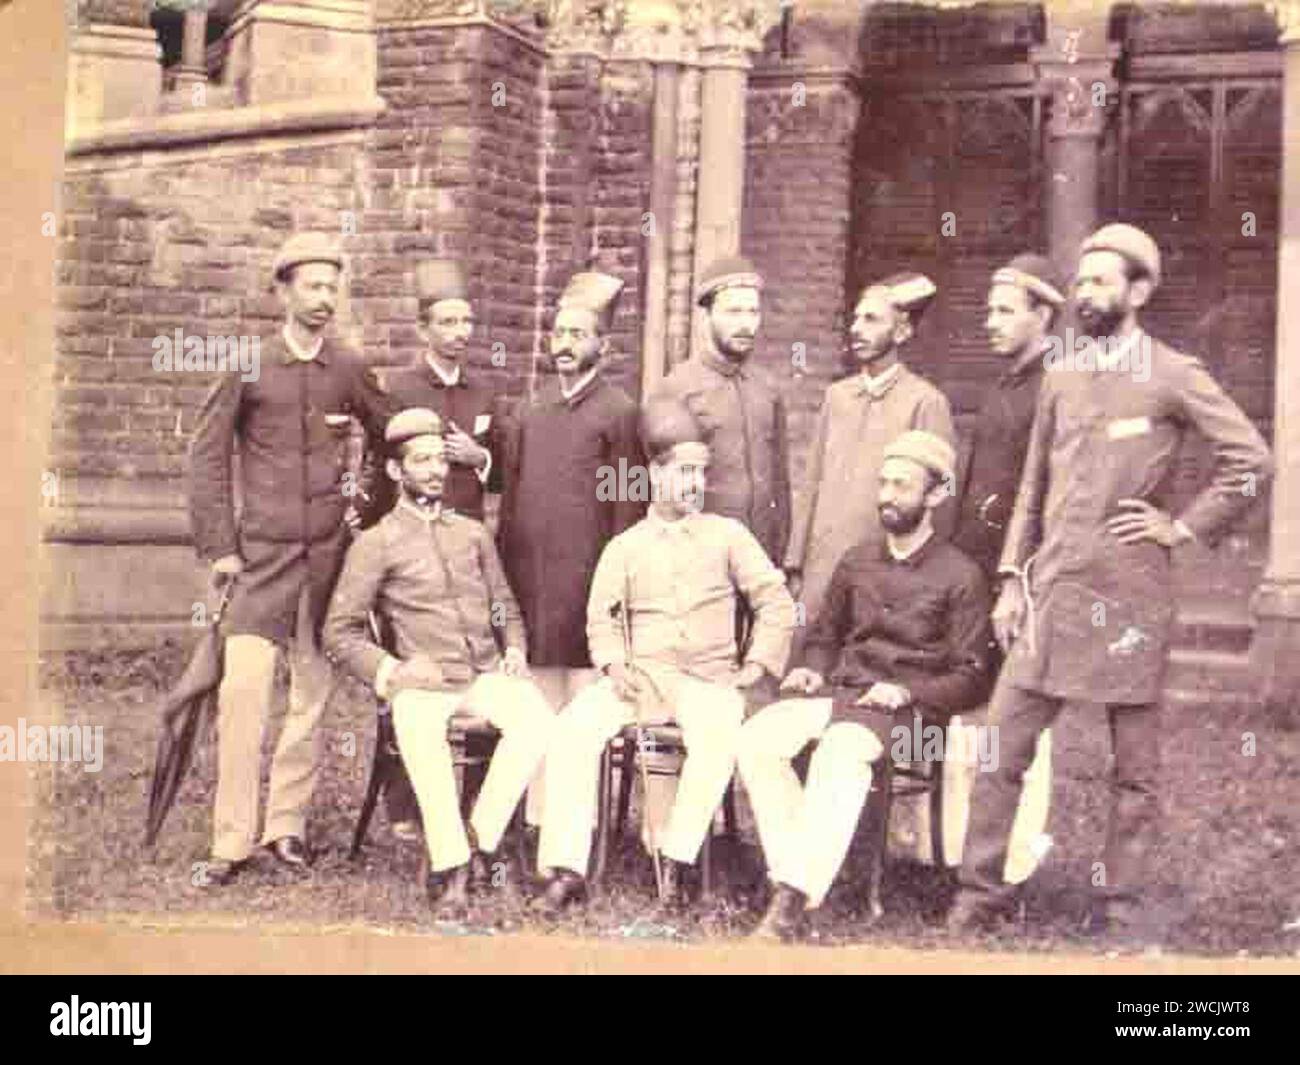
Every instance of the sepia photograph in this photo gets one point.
(800, 485)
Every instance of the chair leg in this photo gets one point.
(627, 775)
(937, 849)
(380, 765)
(729, 818)
(881, 802)
(706, 865)
(600, 847)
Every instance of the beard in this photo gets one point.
(901, 520)
(1101, 321)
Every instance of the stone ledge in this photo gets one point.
(204, 127)
(117, 525)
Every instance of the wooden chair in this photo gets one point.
(622, 753)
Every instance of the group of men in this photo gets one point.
(757, 629)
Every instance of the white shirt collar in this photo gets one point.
(904, 555)
(879, 384)
(579, 385)
(1110, 358)
(432, 513)
(449, 379)
(297, 352)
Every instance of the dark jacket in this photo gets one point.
(472, 407)
(990, 463)
(743, 418)
(554, 522)
(922, 622)
(292, 458)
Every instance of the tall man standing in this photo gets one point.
(739, 410)
(1086, 608)
(860, 417)
(554, 521)
(1024, 301)
(442, 382)
(292, 425)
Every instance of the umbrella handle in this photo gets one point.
(224, 601)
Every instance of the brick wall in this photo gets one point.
(798, 180)
(147, 248)
(597, 190)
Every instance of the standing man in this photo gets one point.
(661, 621)
(860, 417)
(738, 408)
(1024, 302)
(292, 424)
(440, 381)
(554, 521)
(904, 628)
(433, 578)
(1086, 609)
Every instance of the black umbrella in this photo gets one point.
(185, 710)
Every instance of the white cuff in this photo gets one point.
(1181, 527)
(486, 471)
(384, 673)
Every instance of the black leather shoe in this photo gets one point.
(448, 893)
(564, 888)
(217, 872)
(291, 851)
(786, 916)
(975, 912)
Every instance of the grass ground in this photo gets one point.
(1229, 863)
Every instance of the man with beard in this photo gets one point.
(859, 418)
(554, 519)
(433, 578)
(904, 629)
(292, 425)
(660, 621)
(739, 410)
(1085, 609)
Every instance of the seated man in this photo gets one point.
(903, 628)
(434, 579)
(661, 627)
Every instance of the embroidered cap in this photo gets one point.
(1034, 273)
(931, 451)
(595, 292)
(441, 279)
(1128, 241)
(302, 248)
(730, 272)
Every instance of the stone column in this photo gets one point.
(730, 35)
(1275, 651)
(1077, 66)
(114, 64)
(193, 67)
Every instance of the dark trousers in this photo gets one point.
(1020, 716)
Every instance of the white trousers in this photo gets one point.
(806, 831)
(709, 715)
(243, 709)
(516, 707)
(560, 685)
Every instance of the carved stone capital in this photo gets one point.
(115, 12)
(1082, 90)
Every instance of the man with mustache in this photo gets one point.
(554, 521)
(661, 626)
(1086, 609)
(739, 410)
(433, 578)
(292, 425)
(1023, 304)
(904, 629)
(859, 418)
(442, 382)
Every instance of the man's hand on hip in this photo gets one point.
(885, 695)
(226, 568)
(803, 680)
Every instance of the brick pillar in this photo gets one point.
(1275, 652)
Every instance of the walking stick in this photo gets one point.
(623, 610)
